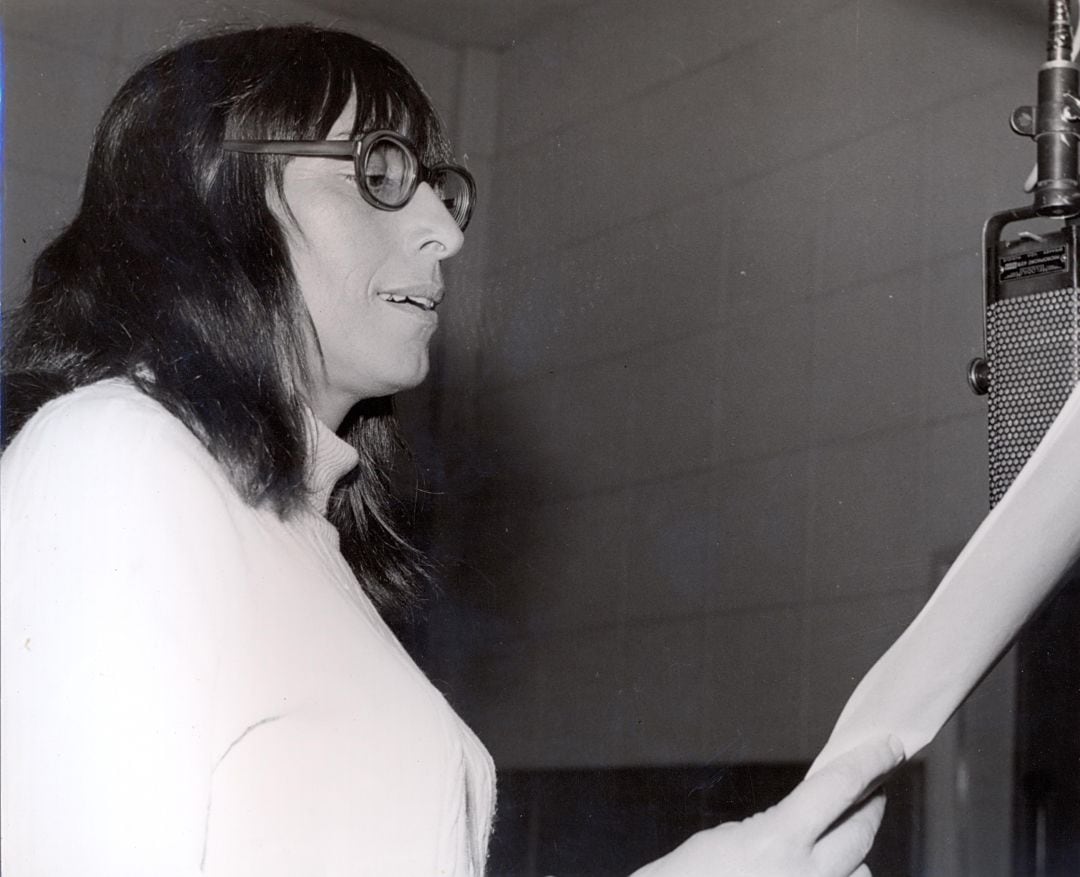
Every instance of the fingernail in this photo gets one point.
(896, 746)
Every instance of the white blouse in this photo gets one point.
(193, 686)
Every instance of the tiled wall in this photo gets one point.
(708, 436)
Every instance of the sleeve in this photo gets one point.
(116, 560)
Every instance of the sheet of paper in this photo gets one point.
(1008, 568)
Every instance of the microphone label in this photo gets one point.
(1050, 260)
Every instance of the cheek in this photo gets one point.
(335, 276)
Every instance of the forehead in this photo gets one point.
(344, 123)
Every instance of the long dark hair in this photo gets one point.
(175, 274)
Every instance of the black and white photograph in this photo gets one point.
(540, 438)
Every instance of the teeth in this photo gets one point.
(426, 303)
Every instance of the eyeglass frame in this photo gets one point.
(358, 151)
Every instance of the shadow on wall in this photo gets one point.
(470, 525)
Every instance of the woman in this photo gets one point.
(197, 678)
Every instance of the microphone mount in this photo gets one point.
(1054, 125)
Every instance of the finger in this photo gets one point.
(821, 799)
(843, 849)
(861, 871)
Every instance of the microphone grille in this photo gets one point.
(1033, 345)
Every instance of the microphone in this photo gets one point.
(1002, 585)
(1031, 283)
(1031, 330)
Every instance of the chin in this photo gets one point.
(414, 383)
(420, 373)
(409, 381)
(386, 376)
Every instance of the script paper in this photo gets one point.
(1006, 571)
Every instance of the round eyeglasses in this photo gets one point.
(388, 169)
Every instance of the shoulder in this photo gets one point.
(105, 448)
(114, 408)
(109, 427)
(104, 491)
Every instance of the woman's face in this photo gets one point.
(350, 259)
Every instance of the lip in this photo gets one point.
(424, 297)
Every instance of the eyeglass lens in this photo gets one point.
(390, 173)
(451, 188)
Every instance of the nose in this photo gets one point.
(433, 227)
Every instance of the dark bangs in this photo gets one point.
(305, 93)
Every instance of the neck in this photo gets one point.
(331, 458)
(331, 408)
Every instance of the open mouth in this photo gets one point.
(417, 301)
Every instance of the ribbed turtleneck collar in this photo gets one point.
(333, 457)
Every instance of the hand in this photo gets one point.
(794, 839)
